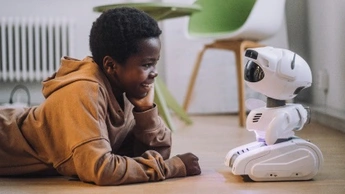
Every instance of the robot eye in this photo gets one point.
(253, 72)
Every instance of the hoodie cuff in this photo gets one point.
(175, 168)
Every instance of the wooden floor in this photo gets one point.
(210, 138)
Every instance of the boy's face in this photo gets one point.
(136, 76)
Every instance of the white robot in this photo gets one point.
(277, 154)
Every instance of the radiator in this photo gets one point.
(31, 48)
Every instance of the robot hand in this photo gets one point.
(278, 129)
(290, 118)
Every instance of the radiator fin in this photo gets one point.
(31, 48)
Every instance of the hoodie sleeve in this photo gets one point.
(95, 163)
(151, 133)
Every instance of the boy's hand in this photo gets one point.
(191, 163)
(145, 103)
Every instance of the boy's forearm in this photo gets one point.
(150, 130)
(93, 166)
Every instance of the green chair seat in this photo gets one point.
(226, 16)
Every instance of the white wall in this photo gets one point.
(327, 46)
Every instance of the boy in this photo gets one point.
(99, 121)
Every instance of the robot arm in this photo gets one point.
(304, 116)
(285, 122)
(278, 128)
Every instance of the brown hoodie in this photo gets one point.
(80, 130)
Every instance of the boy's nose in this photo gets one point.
(153, 73)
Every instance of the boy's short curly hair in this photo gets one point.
(117, 31)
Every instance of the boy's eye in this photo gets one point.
(148, 65)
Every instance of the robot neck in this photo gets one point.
(271, 103)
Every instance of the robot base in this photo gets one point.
(295, 159)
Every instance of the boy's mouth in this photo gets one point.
(147, 86)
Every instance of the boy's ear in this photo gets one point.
(109, 64)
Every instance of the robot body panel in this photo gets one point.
(295, 159)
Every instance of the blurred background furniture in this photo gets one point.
(235, 26)
(157, 10)
(160, 11)
(16, 97)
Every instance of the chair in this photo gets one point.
(234, 25)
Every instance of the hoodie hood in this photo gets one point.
(72, 70)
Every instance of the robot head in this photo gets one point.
(276, 73)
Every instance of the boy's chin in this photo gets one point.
(141, 95)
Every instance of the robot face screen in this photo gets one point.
(253, 72)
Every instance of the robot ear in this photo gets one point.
(287, 66)
(293, 61)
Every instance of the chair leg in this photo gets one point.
(240, 84)
(193, 78)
